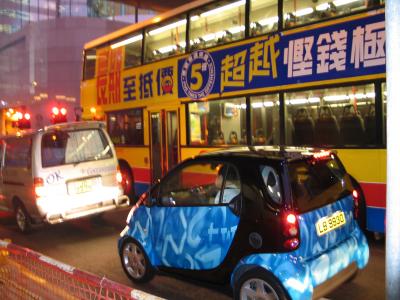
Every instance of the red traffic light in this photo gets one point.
(59, 115)
(55, 111)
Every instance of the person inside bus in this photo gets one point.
(233, 138)
(260, 138)
(243, 138)
(215, 135)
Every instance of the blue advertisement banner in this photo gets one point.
(343, 50)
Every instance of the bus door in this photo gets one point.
(164, 142)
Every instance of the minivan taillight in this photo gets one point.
(38, 185)
(356, 197)
(291, 231)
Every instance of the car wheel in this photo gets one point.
(22, 219)
(259, 284)
(135, 262)
(127, 181)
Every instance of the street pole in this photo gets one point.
(393, 150)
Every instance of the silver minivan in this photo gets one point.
(62, 172)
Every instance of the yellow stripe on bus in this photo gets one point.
(366, 165)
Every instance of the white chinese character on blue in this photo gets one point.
(368, 45)
(298, 57)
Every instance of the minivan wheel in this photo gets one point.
(135, 262)
(22, 219)
(258, 284)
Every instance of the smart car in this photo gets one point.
(277, 223)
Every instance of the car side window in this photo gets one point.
(18, 152)
(198, 183)
(271, 182)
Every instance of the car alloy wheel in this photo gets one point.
(134, 260)
(22, 219)
(257, 289)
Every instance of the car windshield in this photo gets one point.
(318, 182)
(74, 146)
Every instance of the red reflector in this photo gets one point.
(292, 243)
(322, 154)
(37, 181)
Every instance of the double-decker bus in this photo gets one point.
(213, 74)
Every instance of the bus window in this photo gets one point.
(263, 16)
(89, 64)
(265, 119)
(217, 23)
(166, 39)
(216, 123)
(298, 12)
(133, 50)
(332, 117)
(126, 127)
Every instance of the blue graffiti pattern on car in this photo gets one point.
(180, 238)
(318, 258)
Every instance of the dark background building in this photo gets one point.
(41, 44)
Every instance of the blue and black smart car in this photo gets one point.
(276, 223)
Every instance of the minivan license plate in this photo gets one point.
(83, 186)
(326, 224)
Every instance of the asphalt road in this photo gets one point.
(92, 246)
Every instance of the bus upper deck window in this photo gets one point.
(263, 16)
(217, 23)
(166, 39)
(298, 12)
(90, 64)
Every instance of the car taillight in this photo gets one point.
(291, 231)
(356, 197)
(38, 185)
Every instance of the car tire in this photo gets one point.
(259, 284)
(22, 218)
(127, 181)
(135, 262)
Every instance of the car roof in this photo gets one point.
(269, 152)
(59, 126)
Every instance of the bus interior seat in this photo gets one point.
(352, 130)
(303, 127)
(326, 127)
(370, 125)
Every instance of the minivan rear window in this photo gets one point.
(74, 146)
(318, 182)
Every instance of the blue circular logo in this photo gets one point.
(198, 75)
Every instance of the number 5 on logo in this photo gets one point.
(197, 78)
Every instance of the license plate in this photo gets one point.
(83, 186)
(326, 224)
